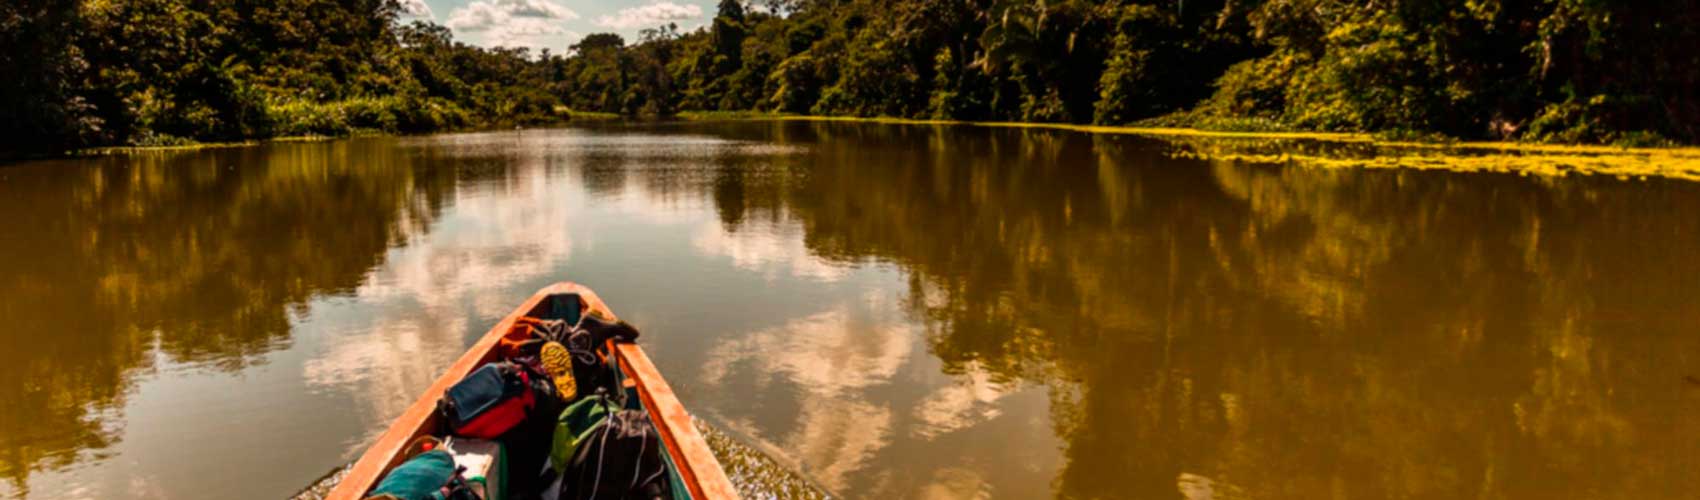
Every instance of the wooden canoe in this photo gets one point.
(696, 464)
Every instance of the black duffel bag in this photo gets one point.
(621, 459)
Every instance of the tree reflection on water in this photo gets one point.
(1281, 332)
(111, 266)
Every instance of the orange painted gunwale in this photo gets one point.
(701, 471)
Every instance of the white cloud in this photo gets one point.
(542, 9)
(479, 16)
(515, 23)
(490, 15)
(416, 9)
(650, 16)
(524, 32)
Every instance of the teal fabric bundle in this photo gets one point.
(419, 478)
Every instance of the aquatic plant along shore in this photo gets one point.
(1523, 159)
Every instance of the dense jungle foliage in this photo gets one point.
(161, 72)
(1545, 70)
(104, 72)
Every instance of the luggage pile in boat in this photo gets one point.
(550, 416)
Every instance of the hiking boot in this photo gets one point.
(558, 364)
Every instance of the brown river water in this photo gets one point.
(888, 311)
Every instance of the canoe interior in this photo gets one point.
(688, 452)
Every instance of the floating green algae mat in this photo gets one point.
(1525, 159)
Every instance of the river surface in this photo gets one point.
(892, 311)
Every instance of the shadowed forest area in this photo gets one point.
(153, 72)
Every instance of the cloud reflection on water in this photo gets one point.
(769, 249)
(500, 234)
(828, 361)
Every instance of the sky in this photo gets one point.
(555, 24)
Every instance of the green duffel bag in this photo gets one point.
(574, 425)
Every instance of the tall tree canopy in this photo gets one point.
(149, 72)
(163, 71)
(1547, 70)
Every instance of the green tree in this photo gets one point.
(723, 57)
(168, 71)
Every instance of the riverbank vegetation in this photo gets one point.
(166, 72)
(1566, 71)
(162, 72)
